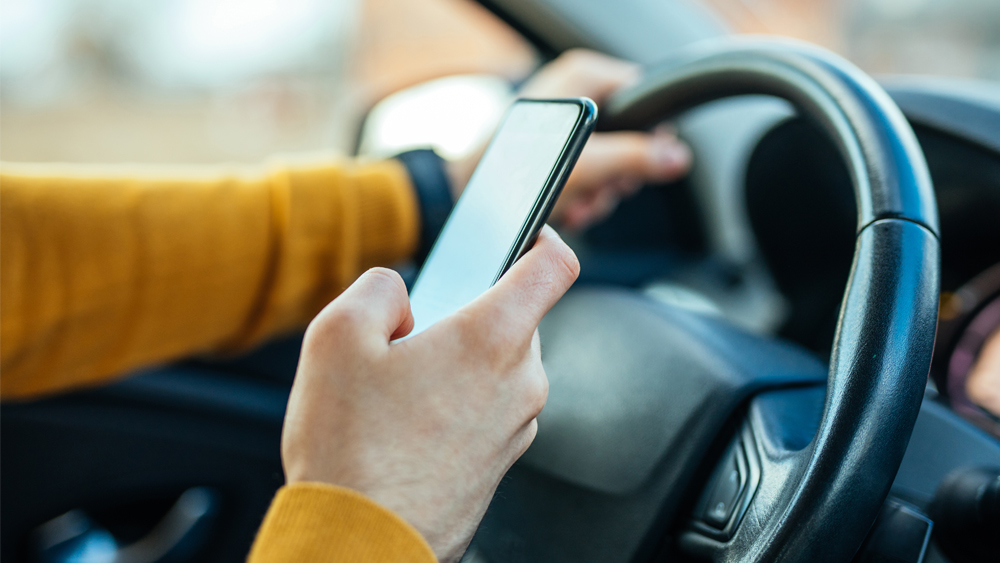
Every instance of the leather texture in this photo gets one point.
(817, 504)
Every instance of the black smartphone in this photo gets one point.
(506, 202)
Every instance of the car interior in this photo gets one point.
(756, 364)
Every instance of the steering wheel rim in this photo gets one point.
(818, 503)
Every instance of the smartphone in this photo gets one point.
(506, 202)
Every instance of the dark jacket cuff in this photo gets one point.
(433, 188)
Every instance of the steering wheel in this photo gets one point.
(641, 394)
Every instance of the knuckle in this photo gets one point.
(317, 335)
(385, 279)
(575, 56)
(350, 311)
(339, 321)
(537, 393)
(345, 315)
(579, 58)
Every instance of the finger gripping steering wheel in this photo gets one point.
(817, 504)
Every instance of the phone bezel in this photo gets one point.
(553, 186)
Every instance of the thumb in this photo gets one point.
(647, 157)
(376, 304)
(532, 286)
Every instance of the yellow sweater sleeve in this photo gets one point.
(319, 522)
(103, 271)
(107, 270)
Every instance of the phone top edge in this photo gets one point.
(583, 100)
(588, 106)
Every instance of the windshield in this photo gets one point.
(238, 80)
(929, 37)
(225, 80)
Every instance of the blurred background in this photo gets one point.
(238, 80)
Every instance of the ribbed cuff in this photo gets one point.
(319, 522)
(433, 188)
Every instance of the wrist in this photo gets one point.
(433, 181)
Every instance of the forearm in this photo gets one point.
(104, 271)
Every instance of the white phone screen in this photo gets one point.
(488, 217)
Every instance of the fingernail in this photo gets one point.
(670, 153)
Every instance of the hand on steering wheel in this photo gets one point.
(613, 165)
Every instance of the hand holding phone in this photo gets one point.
(508, 199)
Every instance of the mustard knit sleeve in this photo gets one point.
(104, 271)
(310, 522)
